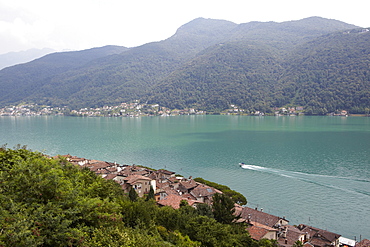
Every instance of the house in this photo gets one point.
(187, 186)
(165, 174)
(140, 183)
(262, 217)
(318, 237)
(204, 193)
(289, 235)
(259, 231)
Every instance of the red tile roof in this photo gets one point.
(188, 184)
(257, 233)
(260, 217)
(171, 200)
(363, 243)
(135, 178)
(203, 191)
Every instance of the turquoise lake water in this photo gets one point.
(313, 170)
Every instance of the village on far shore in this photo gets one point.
(138, 109)
(172, 190)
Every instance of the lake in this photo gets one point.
(312, 170)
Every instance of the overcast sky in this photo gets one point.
(83, 24)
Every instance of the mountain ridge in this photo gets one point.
(147, 72)
(14, 58)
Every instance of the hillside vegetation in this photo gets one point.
(319, 64)
(50, 202)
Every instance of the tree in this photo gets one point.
(297, 244)
(204, 210)
(150, 195)
(223, 208)
(133, 195)
(184, 203)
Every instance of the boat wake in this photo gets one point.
(347, 184)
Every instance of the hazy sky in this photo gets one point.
(83, 24)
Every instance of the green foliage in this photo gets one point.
(235, 196)
(50, 202)
(133, 195)
(150, 195)
(267, 243)
(223, 208)
(298, 244)
(204, 209)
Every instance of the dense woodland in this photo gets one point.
(50, 202)
(320, 64)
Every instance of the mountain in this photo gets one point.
(13, 58)
(330, 73)
(21, 82)
(223, 74)
(325, 74)
(208, 64)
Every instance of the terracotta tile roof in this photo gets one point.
(293, 234)
(100, 171)
(152, 175)
(142, 173)
(173, 179)
(99, 164)
(110, 176)
(363, 243)
(314, 232)
(171, 200)
(112, 169)
(132, 179)
(163, 185)
(188, 184)
(188, 196)
(263, 226)
(125, 172)
(166, 172)
(203, 191)
(260, 217)
(319, 242)
(257, 233)
(193, 202)
(307, 244)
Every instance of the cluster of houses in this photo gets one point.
(171, 190)
(263, 225)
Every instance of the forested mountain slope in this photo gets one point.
(232, 73)
(323, 75)
(207, 63)
(330, 73)
(23, 81)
